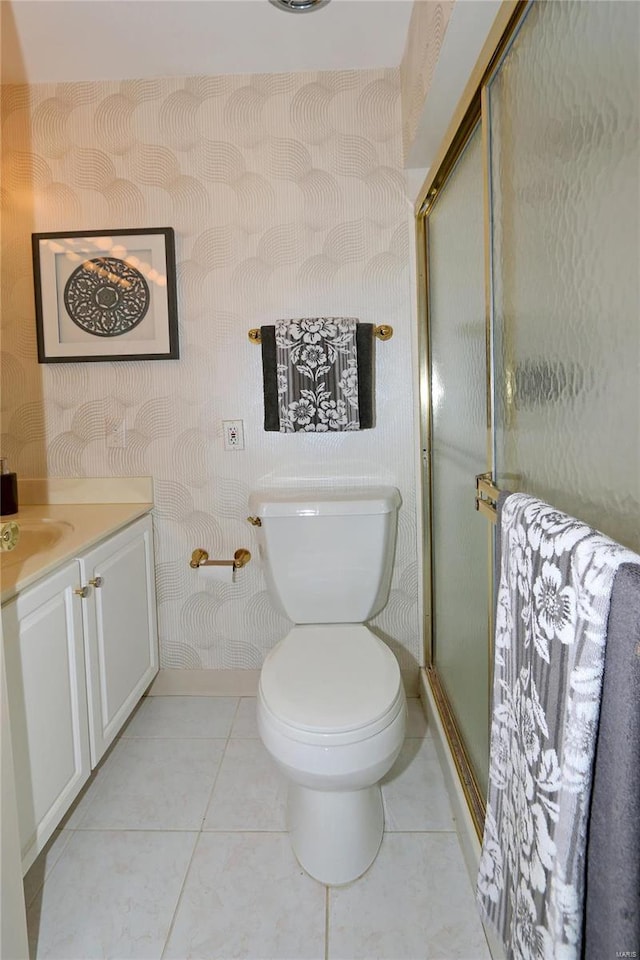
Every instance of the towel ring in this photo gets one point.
(382, 332)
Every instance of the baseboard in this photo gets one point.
(411, 681)
(230, 683)
(205, 683)
(465, 828)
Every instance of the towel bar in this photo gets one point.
(382, 332)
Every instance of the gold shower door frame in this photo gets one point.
(472, 110)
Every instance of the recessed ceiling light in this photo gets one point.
(299, 6)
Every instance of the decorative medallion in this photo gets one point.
(106, 297)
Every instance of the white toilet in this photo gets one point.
(331, 705)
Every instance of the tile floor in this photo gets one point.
(177, 849)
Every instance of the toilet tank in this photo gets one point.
(328, 554)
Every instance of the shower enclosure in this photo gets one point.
(529, 247)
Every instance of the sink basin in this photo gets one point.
(35, 537)
(46, 523)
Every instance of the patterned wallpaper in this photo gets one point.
(427, 27)
(287, 196)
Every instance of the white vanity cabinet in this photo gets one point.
(81, 647)
(47, 694)
(120, 632)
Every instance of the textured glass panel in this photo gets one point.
(566, 206)
(458, 449)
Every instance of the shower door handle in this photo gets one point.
(487, 495)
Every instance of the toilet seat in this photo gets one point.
(331, 684)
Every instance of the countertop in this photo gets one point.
(52, 534)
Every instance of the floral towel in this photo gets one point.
(553, 600)
(317, 369)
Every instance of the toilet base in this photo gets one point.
(335, 835)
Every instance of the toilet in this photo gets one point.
(331, 707)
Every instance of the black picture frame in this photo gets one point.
(106, 295)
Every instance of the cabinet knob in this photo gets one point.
(96, 582)
(82, 592)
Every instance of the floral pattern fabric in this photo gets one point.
(553, 601)
(317, 369)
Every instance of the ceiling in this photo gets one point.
(70, 40)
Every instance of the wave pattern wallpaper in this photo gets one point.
(287, 196)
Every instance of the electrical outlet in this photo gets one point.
(233, 433)
(115, 433)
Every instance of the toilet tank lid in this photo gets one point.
(326, 502)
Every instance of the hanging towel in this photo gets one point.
(612, 905)
(552, 606)
(318, 375)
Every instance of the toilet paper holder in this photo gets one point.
(200, 558)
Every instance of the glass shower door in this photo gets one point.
(561, 364)
(458, 387)
(565, 162)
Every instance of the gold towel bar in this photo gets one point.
(487, 496)
(200, 558)
(383, 332)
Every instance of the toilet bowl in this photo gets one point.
(331, 712)
(331, 707)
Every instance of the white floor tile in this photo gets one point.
(414, 903)
(245, 725)
(414, 793)
(416, 720)
(246, 896)
(110, 895)
(183, 718)
(250, 792)
(153, 785)
(187, 764)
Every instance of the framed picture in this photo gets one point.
(105, 295)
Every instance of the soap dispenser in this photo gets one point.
(8, 490)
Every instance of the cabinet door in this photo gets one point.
(121, 637)
(47, 704)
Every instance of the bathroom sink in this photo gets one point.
(37, 536)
